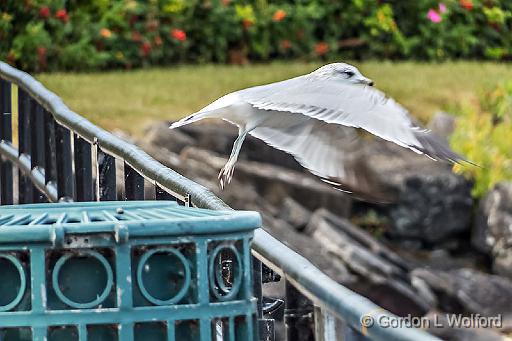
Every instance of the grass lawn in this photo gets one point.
(127, 100)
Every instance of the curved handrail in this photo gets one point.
(312, 282)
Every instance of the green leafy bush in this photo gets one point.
(81, 35)
(483, 135)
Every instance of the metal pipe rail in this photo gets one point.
(62, 156)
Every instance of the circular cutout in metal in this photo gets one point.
(13, 277)
(163, 276)
(82, 280)
(218, 284)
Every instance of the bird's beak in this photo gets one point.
(366, 81)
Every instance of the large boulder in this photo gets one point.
(433, 203)
(381, 274)
(442, 125)
(158, 134)
(492, 232)
(470, 291)
(219, 137)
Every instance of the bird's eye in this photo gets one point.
(349, 73)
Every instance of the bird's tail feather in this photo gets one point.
(192, 118)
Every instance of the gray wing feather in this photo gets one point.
(332, 152)
(333, 102)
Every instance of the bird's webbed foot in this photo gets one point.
(226, 174)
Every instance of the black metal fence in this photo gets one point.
(60, 156)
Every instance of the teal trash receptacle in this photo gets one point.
(148, 270)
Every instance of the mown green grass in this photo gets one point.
(128, 100)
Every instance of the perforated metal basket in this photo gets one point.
(148, 271)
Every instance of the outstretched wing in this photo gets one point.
(330, 151)
(349, 105)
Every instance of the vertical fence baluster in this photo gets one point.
(258, 294)
(133, 184)
(161, 194)
(37, 148)
(50, 159)
(352, 334)
(298, 315)
(106, 186)
(325, 325)
(6, 185)
(25, 187)
(64, 163)
(83, 169)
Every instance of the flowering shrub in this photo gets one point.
(483, 136)
(78, 35)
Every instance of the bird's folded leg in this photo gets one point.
(226, 173)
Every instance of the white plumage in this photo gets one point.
(312, 116)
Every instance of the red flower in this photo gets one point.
(62, 15)
(321, 48)
(467, 4)
(136, 36)
(145, 49)
(247, 23)
(279, 15)
(285, 44)
(178, 34)
(44, 12)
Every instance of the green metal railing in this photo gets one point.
(62, 156)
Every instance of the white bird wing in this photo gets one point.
(349, 105)
(332, 152)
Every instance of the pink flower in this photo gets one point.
(433, 16)
(442, 8)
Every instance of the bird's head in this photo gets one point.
(342, 72)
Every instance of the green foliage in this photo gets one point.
(483, 136)
(51, 34)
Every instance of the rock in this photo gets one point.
(219, 137)
(275, 183)
(442, 125)
(309, 248)
(433, 202)
(440, 327)
(492, 232)
(215, 136)
(294, 213)
(382, 275)
(470, 291)
(432, 207)
(159, 135)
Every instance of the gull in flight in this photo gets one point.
(318, 118)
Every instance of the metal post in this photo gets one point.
(37, 151)
(133, 184)
(25, 187)
(325, 325)
(50, 160)
(298, 315)
(106, 186)
(161, 194)
(64, 162)
(83, 169)
(6, 185)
